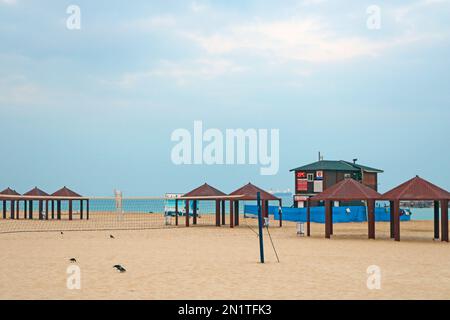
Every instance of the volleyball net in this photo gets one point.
(34, 214)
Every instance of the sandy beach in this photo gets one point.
(219, 263)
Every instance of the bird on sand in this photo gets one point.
(119, 268)
(73, 260)
(111, 236)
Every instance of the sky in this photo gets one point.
(94, 108)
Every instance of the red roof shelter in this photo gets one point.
(203, 193)
(9, 195)
(346, 190)
(65, 194)
(249, 192)
(418, 189)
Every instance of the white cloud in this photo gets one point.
(309, 40)
(8, 2)
(152, 23)
(182, 72)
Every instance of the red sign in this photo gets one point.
(301, 175)
(302, 185)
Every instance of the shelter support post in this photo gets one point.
(194, 212)
(18, 209)
(30, 214)
(87, 209)
(231, 214)
(186, 206)
(308, 219)
(25, 209)
(176, 212)
(12, 209)
(331, 218)
(58, 209)
(40, 209)
(4, 209)
(46, 209)
(217, 213)
(70, 210)
(436, 220)
(444, 220)
(53, 210)
(81, 210)
(327, 219)
(391, 216)
(371, 218)
(397, 220)
(281, 212)
(223, 212)
(236, 213)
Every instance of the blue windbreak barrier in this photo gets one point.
(340, 214)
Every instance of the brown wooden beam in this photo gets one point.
(223, 212)
(176, 212)
(88, 208)
(231, 214)
(308, 219)
(331, 218)
(397, 220)
(444, 220)
(436, 220)
(12, 205)
(58, 209)
(327, 219)
(30, 214)
(281, 213)
(53, 210)
(186, 206)
(371, 218)
(81, 210)
(46, 210)
(194, 212)
(40, 209)
(217, 213)
(4, 209)
(236, 213)
(70, 210)
(25, 209)
(391, 219)
(18, 209)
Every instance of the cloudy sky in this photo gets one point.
(94, 108)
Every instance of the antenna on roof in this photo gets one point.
(320, 156)
(354, 160)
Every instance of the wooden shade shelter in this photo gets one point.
(65, 194)
(203, 193)
(346, 190)
(9, 195)
(249, 192)
(39, 195)
(418, 189)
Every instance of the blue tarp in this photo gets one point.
(340, 214)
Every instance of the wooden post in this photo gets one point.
(391, 216)
(436, 220)
(327, 219)
(223, 212)
(331, 217)
(88, 208)
(4, 209)
(18, 209)
(194, 212)
(58, 209)
(40, 209)
(12, 206)
(371, 218)
(236, 213)
(308, 218)
(70, 210)
(30, 214)
(231, 214)
(176, 212)
(81, 210)
(53, 209)
(25, 209)
(217, 213)
(444, 220)
(186, 206)
(281, 213)
(46, 209)
(397, 220)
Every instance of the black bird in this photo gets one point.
(73, 260)
(120, 268)
(111, 236)
(62, 232)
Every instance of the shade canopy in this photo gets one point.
(347, 190)
(205, 191)
(9, 192)
(36, 192)
(249, 192)
(416, 189)
(66, 193)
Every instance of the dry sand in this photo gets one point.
(220, 263)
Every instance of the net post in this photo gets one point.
(260, 227)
